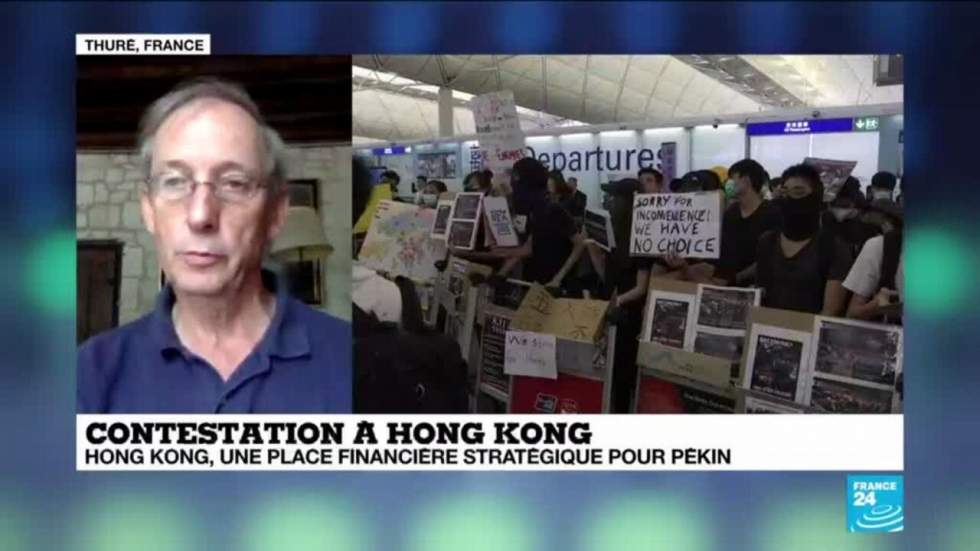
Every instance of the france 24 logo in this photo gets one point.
(875, 503)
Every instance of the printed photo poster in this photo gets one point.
(398, 242)
(598, 228)
(725, 308)
(722, 345)
(565, 394)
(497, 215)
(776, 362)
(663, 395)
(833, 396)
(464, 220)
(669, 318)
(858, 351)
(440, 224)
(753, 404)
(686, 224)
(855, 366)
(833, 174)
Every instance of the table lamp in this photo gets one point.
(301, 245)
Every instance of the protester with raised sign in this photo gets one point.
(801, 267)
(549, 230)
(370, 292)
(744, 222)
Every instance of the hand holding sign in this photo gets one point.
(687, 225)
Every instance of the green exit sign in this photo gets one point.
(866, 124)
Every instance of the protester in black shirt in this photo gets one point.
(744, 222)
(802, 267)
(549, 229)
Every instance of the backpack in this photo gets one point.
(407, 369)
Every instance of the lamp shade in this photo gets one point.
(303, 230)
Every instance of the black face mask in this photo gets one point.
(801, 217)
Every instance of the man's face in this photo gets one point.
(205, 245)
(650, 184)
(743, 186)
(796, 188)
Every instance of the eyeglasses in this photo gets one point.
(233, 188)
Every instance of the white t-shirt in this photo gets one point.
(375, 294)
(864, 279)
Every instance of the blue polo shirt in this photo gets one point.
(301, 365)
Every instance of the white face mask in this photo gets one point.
(428, 200)
(881, 194)
(841, 214)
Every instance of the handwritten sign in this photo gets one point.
(599, 229)
(499, 128)
(498, 219)
(531, 354)
(685, 224)
(574, 319)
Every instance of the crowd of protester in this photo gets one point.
(837, 258)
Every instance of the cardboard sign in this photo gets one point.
(531, 354)
(440, 225)
(566, 394)
(574, 319)
(497, 214)
(598, 227)
(685, 224)
(398, 242)
(690, 365)
(657, 394)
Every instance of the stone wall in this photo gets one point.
(107, 207)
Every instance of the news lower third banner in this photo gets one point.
(489, 442)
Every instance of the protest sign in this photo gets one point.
(398, 242)
(685, 224)
(599, 229)
(440, 224)
(497, 213)
(531, 354)
(495, 327)
(499, 129)
(575, 319)
(465, 220)
(656, 393)
(380, 192)
(833, 174)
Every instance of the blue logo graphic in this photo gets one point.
(875, 503)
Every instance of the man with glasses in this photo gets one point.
(223, 337)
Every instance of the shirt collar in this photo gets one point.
(286, 336)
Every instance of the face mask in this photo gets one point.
(841, 214)
(801, 217)
(730, 189)
(881, 194)
(428, 200)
